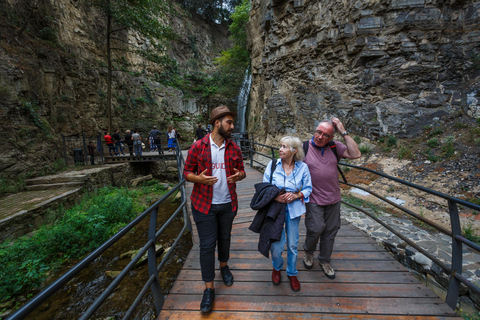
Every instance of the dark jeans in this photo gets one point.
(111, 147)
(92, 159)
(130, 149)
(158, 143)
(216, 226)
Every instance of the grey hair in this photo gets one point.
(329, 121)
(295, 144)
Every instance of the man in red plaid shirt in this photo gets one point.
(214, 164)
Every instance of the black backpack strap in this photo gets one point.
(306, 144)
(274, 166)
(333, 147)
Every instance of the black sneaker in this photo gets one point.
(226, 276)
(207, 300)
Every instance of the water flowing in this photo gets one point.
(243, 100)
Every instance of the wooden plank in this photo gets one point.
(326, 305)
(324, 289)
(340, 241)
(355, 247)
(309, 276)
(339, 255)
(340, 265)
(369, 283)
(235, 315)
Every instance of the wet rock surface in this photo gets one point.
(385, 67)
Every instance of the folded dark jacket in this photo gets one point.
(270, 217)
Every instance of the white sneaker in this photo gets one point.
(328, 270)
(308, 260)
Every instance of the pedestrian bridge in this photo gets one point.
(369, 283)
(145, 157)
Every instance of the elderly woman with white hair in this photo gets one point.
(292, 175)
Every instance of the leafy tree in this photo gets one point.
(211, 10)
(146, 17)
(234, 61)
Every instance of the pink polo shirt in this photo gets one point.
(324, 172)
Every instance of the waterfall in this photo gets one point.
(243, 100)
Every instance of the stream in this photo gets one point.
(75, 297)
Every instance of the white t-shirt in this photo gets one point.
(171, 134)
(221, 194)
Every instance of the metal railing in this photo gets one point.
(153, 269)
(455, 271)
(75, 149)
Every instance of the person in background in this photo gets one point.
(200, 133)
(129, 141)
(209, 129)
(155, 134)
(111, 146)
(137, 143)
(118, 143)
(91, 151)
(171, 136)
(151, 142)
(214, 164)
(292, 176)
(322, 219)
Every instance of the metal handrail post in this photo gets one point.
(152, 263)
(100, 143)
(64, 150)
(250, 150)
(85, 154)
(454, 285)
(273, 153)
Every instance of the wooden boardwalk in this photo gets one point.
(369, 284)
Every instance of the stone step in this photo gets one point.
(51, 186)
(56, 179)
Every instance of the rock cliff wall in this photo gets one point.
(49, 87)
(383, 66)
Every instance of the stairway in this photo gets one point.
(56, 182)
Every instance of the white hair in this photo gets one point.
(295, 144)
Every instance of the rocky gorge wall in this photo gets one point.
(382, 66)
(49, 87)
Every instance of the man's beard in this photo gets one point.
(224, 134)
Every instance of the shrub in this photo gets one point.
(431, 155)
(365, 148)
(26, 262)
(436, 131)
(460, 125)
(448, 149)
(391, 141)
(357, 140)
(433, 142)
(405, 153)
(468, 233)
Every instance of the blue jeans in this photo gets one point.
(138, 149)
(214, 228)
(290, 235)
(118, 146)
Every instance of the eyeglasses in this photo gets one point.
(325, 135)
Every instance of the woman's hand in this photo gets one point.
(288, 197)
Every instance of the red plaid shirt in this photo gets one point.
(200, 158)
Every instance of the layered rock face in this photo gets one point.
(48, 88)
(382, 66)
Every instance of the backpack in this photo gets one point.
(333, 147)
(274, 166)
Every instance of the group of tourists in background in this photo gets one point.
(304, 180)
(135, 142)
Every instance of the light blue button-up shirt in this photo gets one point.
(298, 180)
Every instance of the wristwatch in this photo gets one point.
(345, 133)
